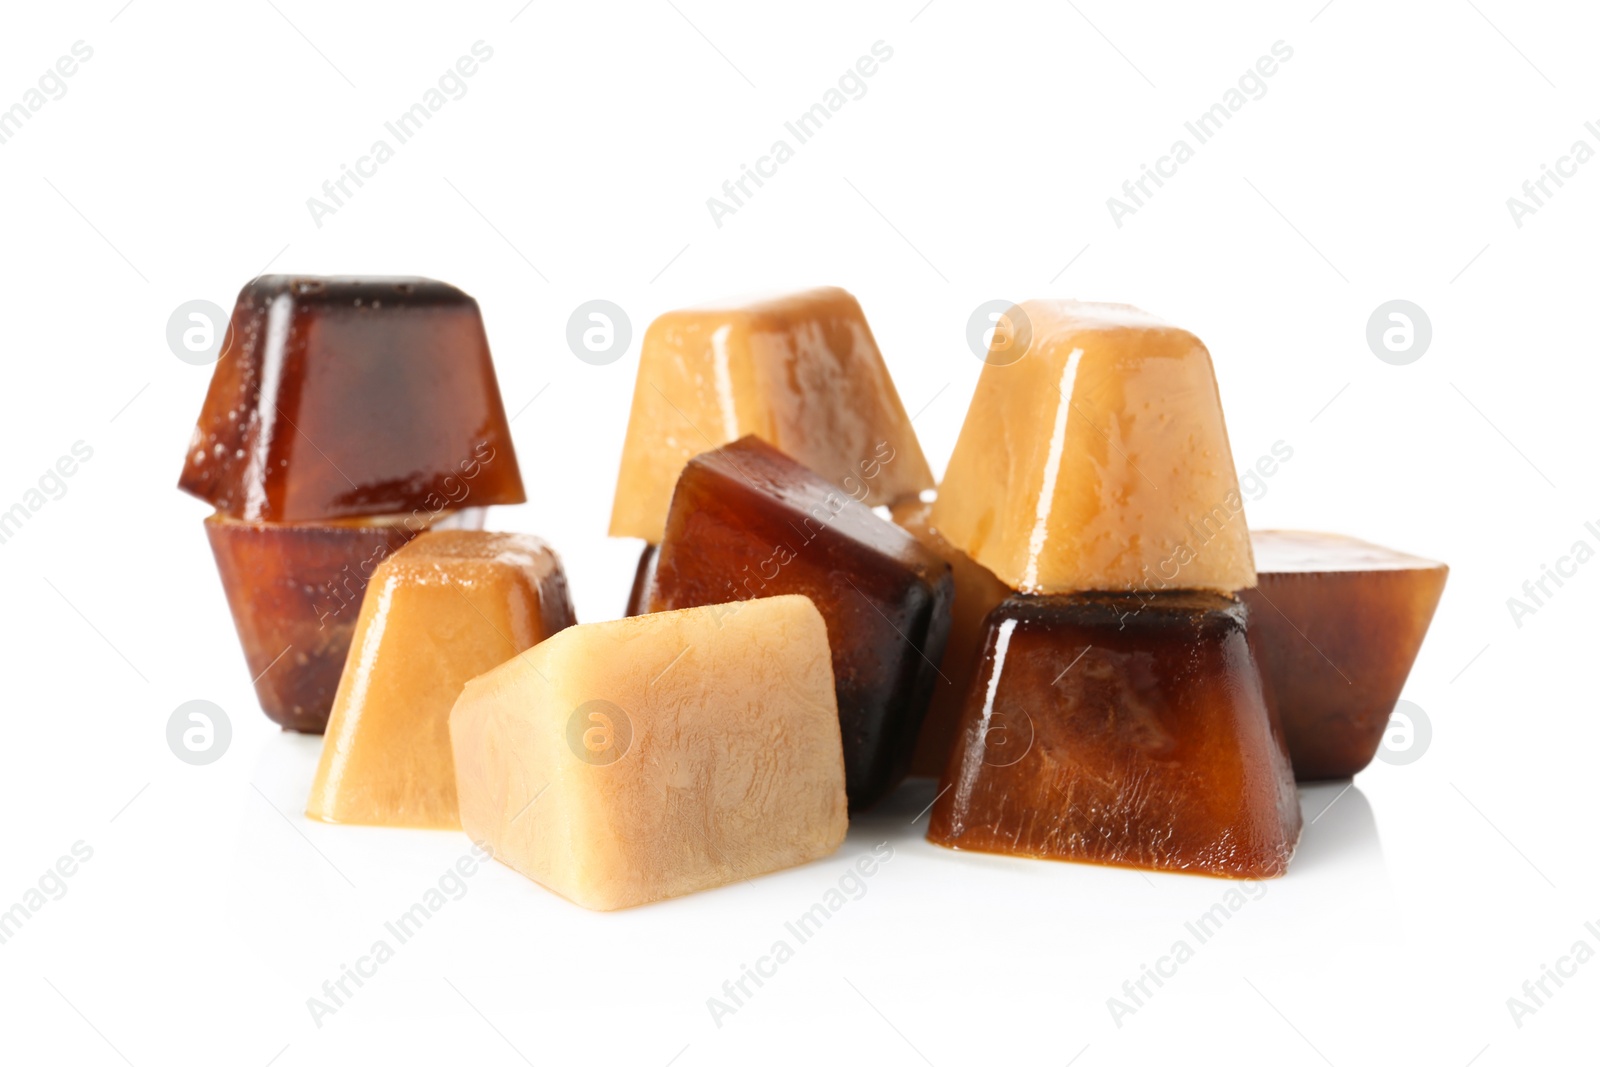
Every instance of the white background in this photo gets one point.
(977, 166)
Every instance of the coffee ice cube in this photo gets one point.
(1094, 457)
(1340, 622)
(444, 609)
(352, 397)
(800, 371)
(622, 762)
(747, 521)
(1121, 729)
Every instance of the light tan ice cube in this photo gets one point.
(445, 608)
(801, 371)
(623, 762)
(1094, 457)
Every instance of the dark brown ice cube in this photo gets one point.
(295, 591)
(643, 575)
(977, 591)
(347, 397)
(746, 521)
(1121, 729)
(1340, 622)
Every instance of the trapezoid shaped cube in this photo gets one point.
(1340, 622)
(446, 608)
(1095, 457)
(1121, 729)
(801, 371)
(623, 762)
(348, 397)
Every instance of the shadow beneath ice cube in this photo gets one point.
(900, 816)
(1339, 830)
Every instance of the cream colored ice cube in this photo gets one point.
(623, 762)
(1097, 460)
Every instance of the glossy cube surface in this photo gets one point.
(977, 592)
(444, 609)
(1097, 460)
(1125, 730)
(643, 576)
(800, 371)
(623, 762)
(1340, 623)
(748, 521)
(352, 397)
